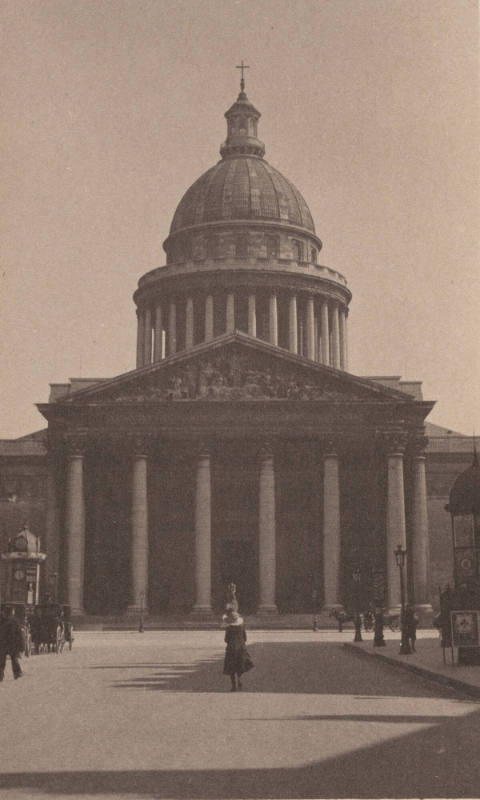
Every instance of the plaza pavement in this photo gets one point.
(428, 660)
(130, 716)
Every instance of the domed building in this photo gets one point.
(242, 255)
(240, 448)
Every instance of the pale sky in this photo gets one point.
(113, 108)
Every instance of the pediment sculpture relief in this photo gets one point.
(236, 378)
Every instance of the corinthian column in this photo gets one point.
(292, 324)
(252, 315)
(267, 538)
(331, 529)
(335, 338)
(189, 323)
(310, 328)
(158, 334)
(208, 317)
(343, 338)
(273, 319)
(140, 337)
(396, 531)
(230, 312)
(203, 536)
(147, 359)
(139, 531)
(324, 333)
(52, 516)
(172, 329)
(420, 533)
(75, 527)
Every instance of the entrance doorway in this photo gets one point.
(238, 566)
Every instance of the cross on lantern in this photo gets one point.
(242, 67)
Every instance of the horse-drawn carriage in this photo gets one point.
(51, 628)
(367, 619)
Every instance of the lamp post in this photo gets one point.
(357, 577)
(141, 628)
(314, 607)
(400, 555)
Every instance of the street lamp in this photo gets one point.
(141, 628)
(357, 577)
(314, 607)
(400, 555)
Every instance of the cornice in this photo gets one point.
(252, 224)
(240, 264)
(245, 278)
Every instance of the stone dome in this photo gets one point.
(242, 187)
(242, 256)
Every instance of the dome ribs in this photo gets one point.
(269, 196)
(287, 202)
(213, 197)
(241, 191)
(242, 187)
(203, 211)
(227, 198)
(306, 217)
(255, 191)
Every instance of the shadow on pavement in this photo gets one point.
(286, 668)
(439, 761)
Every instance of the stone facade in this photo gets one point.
(240, 448)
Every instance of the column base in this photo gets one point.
(394, 611)
(135, 611)
(201, 611)
(424, 608)
(267, 609)
(330, 608)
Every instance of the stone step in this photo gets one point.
(196, 622)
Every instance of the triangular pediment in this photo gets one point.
(234, 367)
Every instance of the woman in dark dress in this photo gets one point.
(237, 660)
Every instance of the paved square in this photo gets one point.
(129, 715)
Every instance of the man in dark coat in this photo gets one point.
(11, 642)
(411, 622)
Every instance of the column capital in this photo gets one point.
(418, 445)
(76, 444)
(330, 446)
(139, 445)
(393, 442)
(203, 448)
(265, 451)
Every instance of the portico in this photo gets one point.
(196, 471)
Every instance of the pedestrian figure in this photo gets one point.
(341, 618)
(368, 620)
(237, 659)
(411, 622)
(378, 640)
(11, 642)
